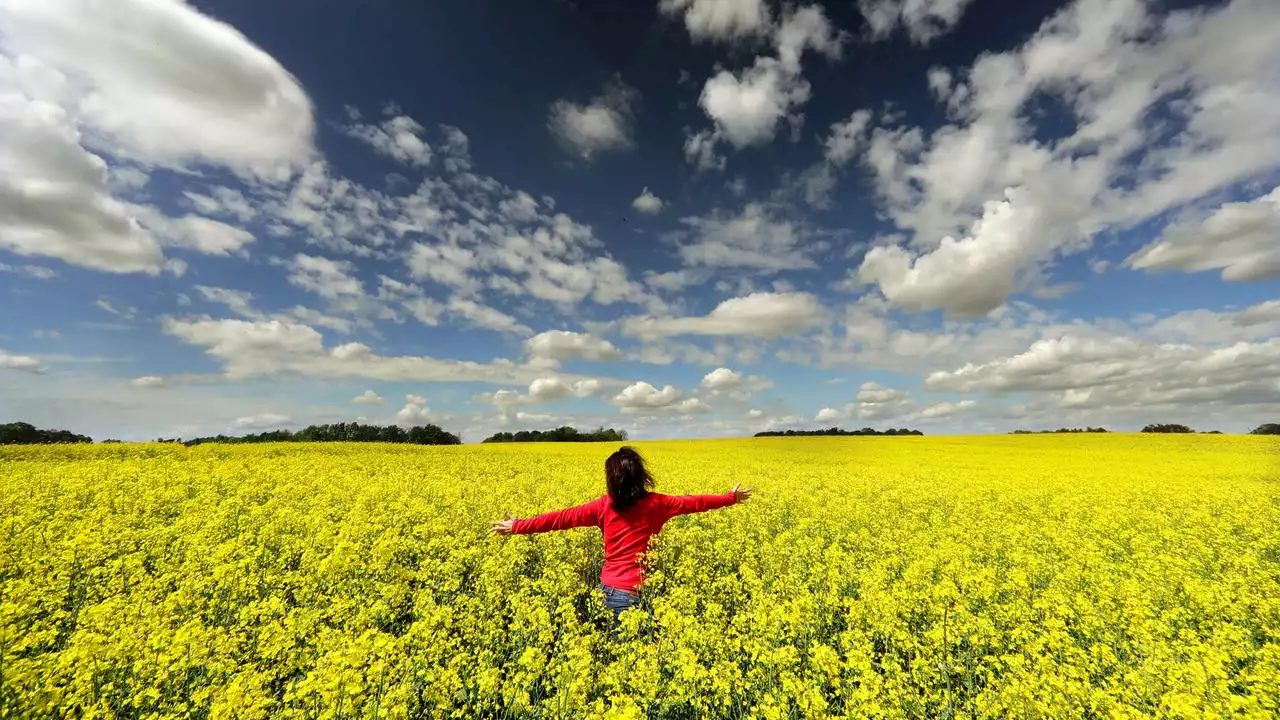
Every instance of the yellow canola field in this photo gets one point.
(1118, 576)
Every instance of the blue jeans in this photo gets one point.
(617, 600)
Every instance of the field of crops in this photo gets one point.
(1117, 576)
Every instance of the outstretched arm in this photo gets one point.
(577, 516)
(686, 504)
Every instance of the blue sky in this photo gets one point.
(678, 217)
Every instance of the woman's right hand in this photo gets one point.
(740, 496)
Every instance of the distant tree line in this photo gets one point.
(1267, 429)
(560, 434)
(20, 433)
(1167, 428)
(1061, 430)
(344, 432)
(836, 431)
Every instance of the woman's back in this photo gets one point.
(626, 533)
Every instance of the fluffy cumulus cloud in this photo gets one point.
(541, 391)
(747, 107)
(643, 398)
(1018, 196)
(414, 412)
(762, 315)
(564, 344)
(82, 86)
(54, 198)
(600, 126)
(164, 84)
(721, 379)
(874, 401)
(149, 382)
(369, 398)
(1242, 239)
(922, 20)
(647, 203)
(720, 20)
(996, 251)
(826, 415)
(549, 389)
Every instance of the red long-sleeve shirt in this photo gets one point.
(626, 534)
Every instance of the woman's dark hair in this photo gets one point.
(626, 477)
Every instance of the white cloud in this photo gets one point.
(398, 137)
(647, 203)
(448, 265)
(252, 348)
(763, 315)
(1126, 374)
(370, 398)
(675, 280)
(261, 421)
(162, 83)
(827, 414)
(923, 20)
(549, 389)
(720, 20)
(414, 412)
(700, 150)
(602, 125)
(148, 381)
(223, 201)
(691, 405)
(874, 401)
(846, 138)
(1241, 238)
(25, 363)
(1266, 312)
(486, 317)
(35, 271)
(563, 344)
(201, 234)
(752, 239)
(241, 303)
(54, 200)
(754, 414)
(806, 28)
(1161, 111)
(748, 107)
(721, 379)
(643, 397)
(331, 279)
(105, 305)
(945, 409)
(969, 276)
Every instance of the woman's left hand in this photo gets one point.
(501, 527)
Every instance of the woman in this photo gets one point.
(629, 515)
